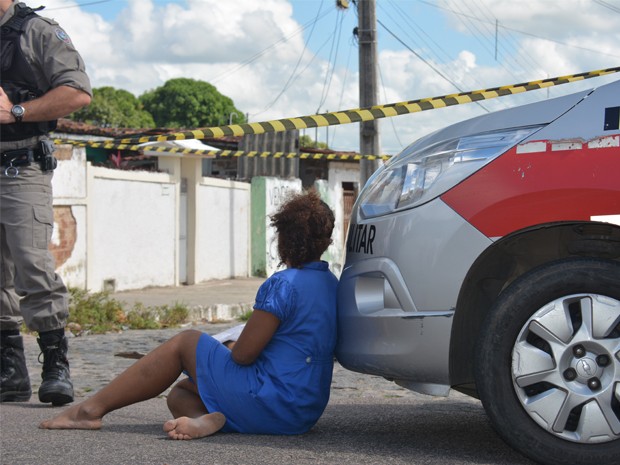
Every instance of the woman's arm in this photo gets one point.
(255, 336)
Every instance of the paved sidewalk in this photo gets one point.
(217, 300)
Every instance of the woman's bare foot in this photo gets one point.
(75, 417)
(193, 428)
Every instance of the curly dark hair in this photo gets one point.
(304, 224)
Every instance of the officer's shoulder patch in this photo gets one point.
(62, 35)
(51, 28)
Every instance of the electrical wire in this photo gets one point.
(344, 83)
(426, 42)
(293, 76)
(386, 99)
(511, 60)
(428, 63)
(607, 5)
(466, 20)
(314, 56)
(258, 55)
(79, 5)
(434, 5)
(331, 66)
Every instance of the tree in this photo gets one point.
(117, 108)
(188, 103)
(307, 141)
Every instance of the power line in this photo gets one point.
(418, 32)
(386, 99)
(607, 5)
(434, 5)
(492, 25)
(258, 55)
(429, 64)
(331, 67)
(294, 77)
(79, 5)
(344, 83)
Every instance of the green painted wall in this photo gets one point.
(258, 240)
(332, 254)
(267, 195)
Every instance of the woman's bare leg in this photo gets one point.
(145, 379)
(184, 400)
(192, 420)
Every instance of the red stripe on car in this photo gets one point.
(560, 181)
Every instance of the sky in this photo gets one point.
(287, 58)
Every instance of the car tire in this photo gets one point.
(547, 363)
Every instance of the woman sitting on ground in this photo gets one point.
(275, 380)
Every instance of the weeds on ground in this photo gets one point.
(99, 313)
(245, 316)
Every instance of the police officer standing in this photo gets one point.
(42, 78)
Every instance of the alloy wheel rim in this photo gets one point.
(566, 368)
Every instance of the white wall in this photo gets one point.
(223, 223)
(278, 190)
(120, 229)
(132, 223)
(339, 172)
(69, 187)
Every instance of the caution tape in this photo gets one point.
(368, 113)
(225, 153)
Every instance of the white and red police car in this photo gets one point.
(485, 258)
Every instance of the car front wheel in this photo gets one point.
(548, 363)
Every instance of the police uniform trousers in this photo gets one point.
(31, 289)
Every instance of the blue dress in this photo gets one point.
(287, 388)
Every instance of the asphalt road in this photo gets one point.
(368, 421)
(356, 431)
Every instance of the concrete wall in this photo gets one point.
(267, 195)
(223, 249)
(121, 230)
(70, 215)
(332, 193)
(133, 229)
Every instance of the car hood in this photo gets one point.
(533, 114)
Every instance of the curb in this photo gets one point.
(218, 312)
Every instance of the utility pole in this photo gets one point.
(369, 93)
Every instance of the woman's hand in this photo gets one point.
(257, 333)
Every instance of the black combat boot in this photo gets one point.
(56, 387)
(14, 380)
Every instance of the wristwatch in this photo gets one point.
(18, 113)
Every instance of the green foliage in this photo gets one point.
(188, 103)
(116, 108)
(179, 103)
(141, 317)
(307, 141)
(95, 312)
(245, 316)
(99, 313)
(173, 316)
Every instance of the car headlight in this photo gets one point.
(420, 174)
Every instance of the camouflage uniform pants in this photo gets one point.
(31, 291)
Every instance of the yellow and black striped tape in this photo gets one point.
(225, 153)
(369, 113)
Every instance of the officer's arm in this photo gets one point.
(57, 103)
